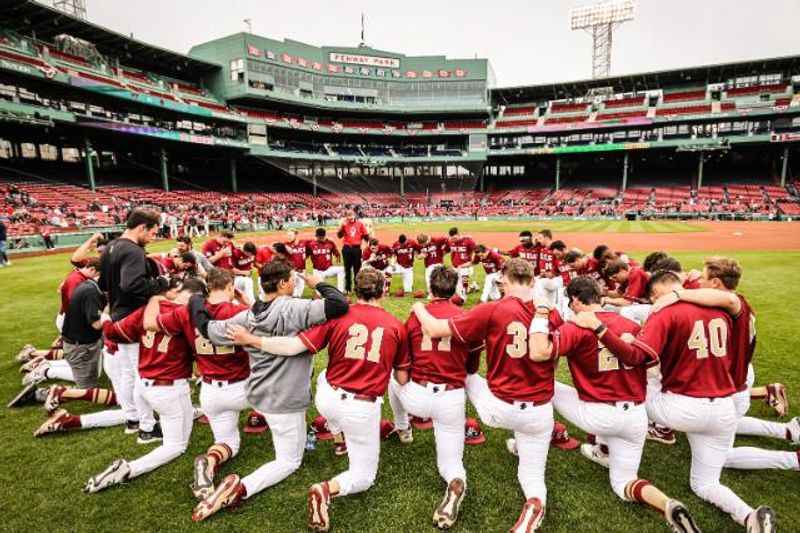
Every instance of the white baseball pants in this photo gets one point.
(360, 422)
(245, 285)
(174, 406)
(709, 424)
(406, 273)
(532, 426)
(299, 285)
(60, 369)
(332, 271)
(109, 417)
(428, 271)
(465, 274)
(221, 403)
(446, 409)
(491, 291)
(548, 290)
(130, 385)
(59, 322)
(636, 312)
(622, 426)
(289, 438)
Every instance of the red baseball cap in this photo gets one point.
(421, 423)
(256, 423)
(472, 432)
(320, 427)
(561, 438)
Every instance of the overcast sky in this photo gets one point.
(527, 41)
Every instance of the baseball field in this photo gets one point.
(41, 479)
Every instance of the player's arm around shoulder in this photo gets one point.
(540, 348)
(218, 329)
(433, 327)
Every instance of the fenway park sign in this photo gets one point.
(372, 61)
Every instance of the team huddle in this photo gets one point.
(652, 350)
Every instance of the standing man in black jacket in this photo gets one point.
(129, 280)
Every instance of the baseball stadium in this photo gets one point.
(270, 285)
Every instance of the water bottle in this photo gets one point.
(311, 441)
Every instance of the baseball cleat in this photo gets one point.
(679, 519)
(26, 395)
(53, 399)
(131, 427)
(54, 424)
(24, 354)
(793, 430)
(229, 493)
(319, 499)
(595, 453)
(777, 399)
(150, 437)
(511, 446)
(37, 375)
(32, 364)
(530, 518)
(447, 513)
(115, 474)
(661, 434)
(406, 436)
(203, 485)
(762, 520)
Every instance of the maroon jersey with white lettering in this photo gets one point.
(547, 262)
(492, 262)
(242, 261)
(297, 254)
(211, 247)
(597, 374)
(636, 286)
(695, 346)
(503, 325)
(566, 271)
(161, 355)
(405, 252)
(434, 251)
(224, 363)
(592, 270)
(461, 251)
(744, 344)
(322, 253)
(264, 255)
(380, 258)
(531, 254)
(444, 360)
(363, 347)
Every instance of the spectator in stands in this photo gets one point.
(3, 237)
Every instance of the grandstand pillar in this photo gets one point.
(700, 171)
(87, 159)
(314, 177)
(164, 174)
(625, 173)
(482, 186)
(234, 184)
(558, 173)
(785, 166)
(402, 185)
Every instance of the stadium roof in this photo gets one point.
(29, 17)
(698, 75)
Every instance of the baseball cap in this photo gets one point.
(472, 432)
(421, 423)
(320, 427)
(561, 438)
(256, 423)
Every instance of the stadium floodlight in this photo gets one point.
(599, 20)
(76, 8)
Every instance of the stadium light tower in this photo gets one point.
(599, 20)
(76, 8)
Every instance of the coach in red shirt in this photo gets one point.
(352, 232)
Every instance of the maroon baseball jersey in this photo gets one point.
(531, 254)
(695, 346)
(297, 254)
(264, 255)
(597, 374)
(503, 325)
(636, 285)
(224, 363)
(566, 271)
(547, 262)
(691, 284)
(444, 360)
(241, 260)
(461, 251)
(592, 270)
(405, 252)
(161, 355)
(211, 247)
(169, 265)
(71, 283)
(352, 233)
(434, 251)
(363, 347)
(492, 262)
(744, 344)
(322, 253)
(380, 257)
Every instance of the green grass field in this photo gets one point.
(41, 479)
